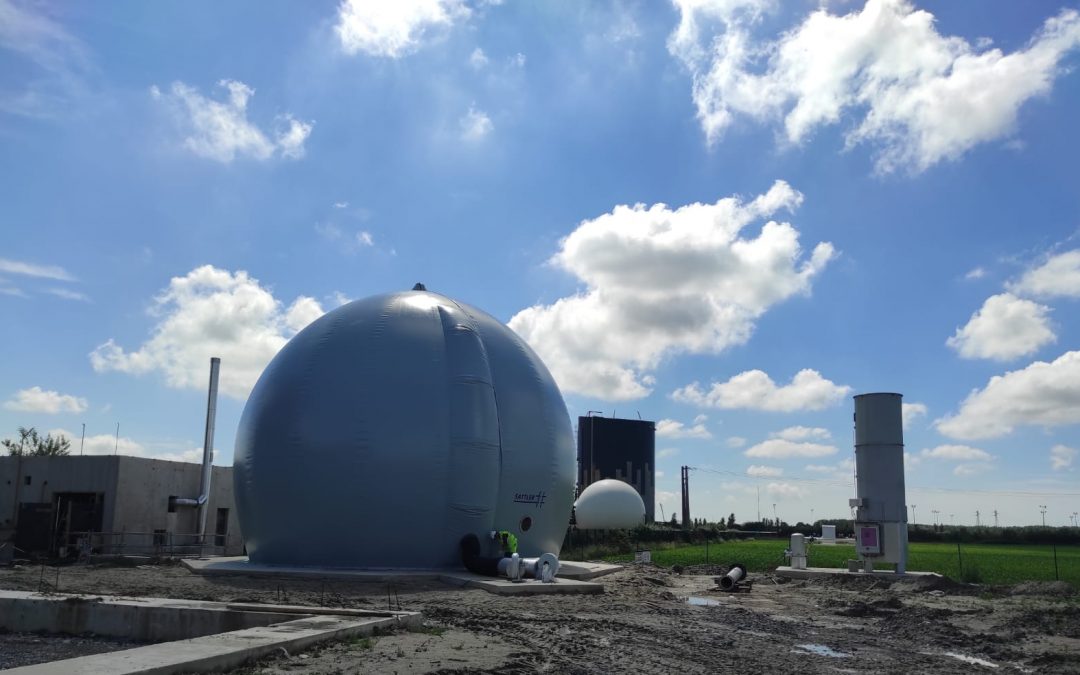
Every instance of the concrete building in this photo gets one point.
(64, 506)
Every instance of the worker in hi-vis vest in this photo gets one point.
(506, 540)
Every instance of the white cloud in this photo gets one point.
(220, 130)
(478, 59)
(108, 444)
(1006, 327)
(798, 433)
(755, 390)
(475, 124)
(1059, 276)
(912, 411)
(393, 28)
(761, 471)
(664, 453)
(970, 469)
(1042, 394)
(38, 400)
(47, 68)
(661, 281)
(673, 429)
(819, 468)
(784, 490)
(778, 448)
(1062, 457)
(68, 294)
(735, 442)
(54, 272)
(364, 238)
(911, 461)
(957, 452)
(341, 205)
(976, 273)
(918, 96)
(211, 312)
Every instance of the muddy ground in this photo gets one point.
(645, 622)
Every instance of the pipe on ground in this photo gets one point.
(730, 580)
(543, 568)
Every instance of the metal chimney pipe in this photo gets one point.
(208, 448)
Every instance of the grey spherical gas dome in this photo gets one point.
(391, 427)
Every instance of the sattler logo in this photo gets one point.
(537, 498)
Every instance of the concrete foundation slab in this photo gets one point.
(827, 572)
(568, 570)
(582, 571)
(523, 587)
(214, 652)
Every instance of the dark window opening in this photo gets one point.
(221, 527)
(28, 480)
(526, 523)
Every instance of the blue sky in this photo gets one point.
(725, 215)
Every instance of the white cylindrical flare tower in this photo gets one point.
(880, 503)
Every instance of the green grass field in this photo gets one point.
(982, 563)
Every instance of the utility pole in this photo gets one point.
(952, 519)
(977, 518)
(776, 518)
(116, 447)
(913, 514)
(1042, 510)
(686, 497)
(935, 512)
(995, 518)
(759, 503)
(82, 442)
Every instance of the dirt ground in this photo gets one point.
(652, 620)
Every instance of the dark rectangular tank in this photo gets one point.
(621, 449)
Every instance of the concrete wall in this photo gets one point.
(136, 490)
(47, 475)
(142, 504)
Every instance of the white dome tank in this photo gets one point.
(391, 427)
(609, 504)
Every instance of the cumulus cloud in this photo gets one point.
(970, 469)
(735, 442)
(394, 28)
(1006, 327)
(221, 131)
(664, 453)
(957, 452)
(799, 433)
(919, 97)
(38, 400)
(211, 312)
(755, 390)
(475, 124)
(1042, 394)
(478, 59)
(1058, 276)
(976, 273)
(912, 411)
(784, 490)
(761, 471)
(668, 428)
(108, 444)
(1062, 457)
(778, 448)
(661, 281)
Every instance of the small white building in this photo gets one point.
(64, 506)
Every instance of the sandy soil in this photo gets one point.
(644, 623)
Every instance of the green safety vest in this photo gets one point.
(511, 541)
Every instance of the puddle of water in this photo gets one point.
(972, 659)
(703, 602)
(821, 650)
